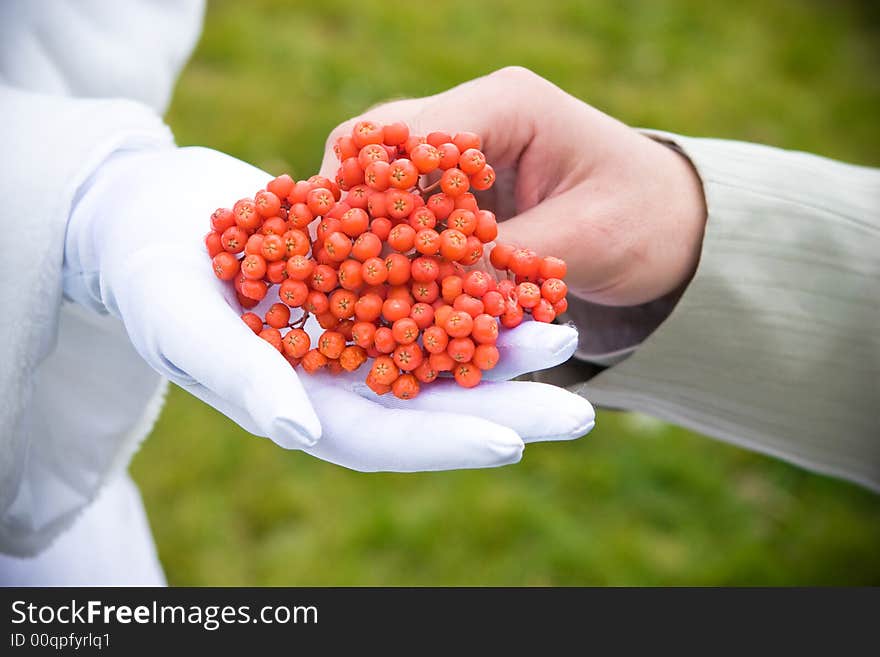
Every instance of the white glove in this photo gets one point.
(135, 248)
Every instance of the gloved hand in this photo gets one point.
(135, 248)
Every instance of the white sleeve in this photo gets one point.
(775, 344)
(98, 49)
(75, 398)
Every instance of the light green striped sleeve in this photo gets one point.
(775, 344)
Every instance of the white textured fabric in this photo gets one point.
(109, 545)
(775, 345)
(65, 68)
(185, 323)
(98, 49)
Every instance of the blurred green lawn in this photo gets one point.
(637, 502)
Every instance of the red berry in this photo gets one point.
(313, 361)
(345, 148)
(473, 251)
(383, 340)
(377, 176)
(486, 356)
(403, 174)
(296, 242)
(467, 375)
(278, 315)
(405, 330)
(352, 357)
(395, 134)
(316, 302)
(381, 227)
(367, 132)
(466, 140)
(394, 309)
(422, 314)
(425, 372)
(253, 321)
(320, 200)
(471, 305)
(331, 344)
(454, 182)
(543, 311)
(253, 266)
(267, 204)
(453, 244)
(512, 316)
(477, 283)
(281, 186)
(493, 303)
(213, 243)
(458, 324)
(462, 220)
(500, 256)
(471, 160)
(293, 293)
(374, 271)
(425, 157)
(350, 276)
(449, 155)
(299, 215)
(408, 356)
(296, 343)
(234, 239)
(424, 270)
(524, 262)
(299, 267)
(427, 241)
(442, 362)
(484, 179)
(399, 204)
(323, 279)
(273, 248)
(461, 349)
(367, 245)
(436, 138)
(384, 370)
(405, 387)
(398, 267)
(272, 336)
(246, 215)
(554, 290)
(222, 219)
(363, 333)
(528, 295)
(371, 153)
(485, 329)
(487, 226)
(452, 287)
(368, 308)
(342, 303)
(435, 339)
(402, 238)
(441, 205)
(425, 292)
(553, 268)
(338, 246)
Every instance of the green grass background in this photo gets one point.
(636, 502)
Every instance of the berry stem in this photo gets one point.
(429, 188)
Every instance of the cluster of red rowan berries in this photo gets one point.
(381, 262)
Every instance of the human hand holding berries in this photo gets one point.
(625, 212)
(136, 238)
